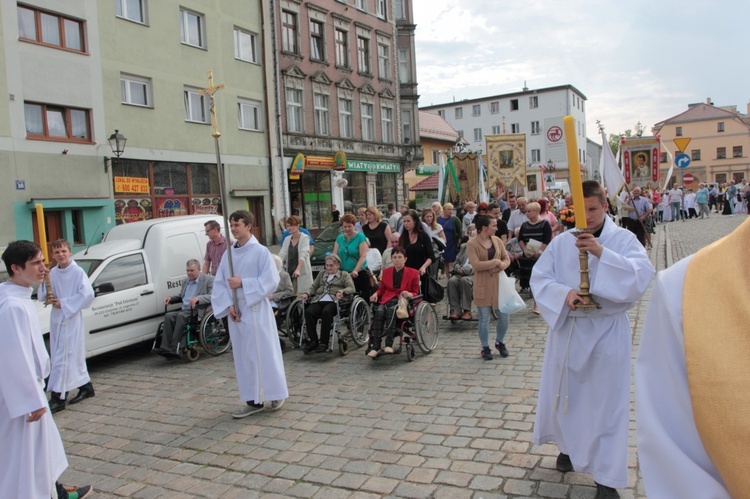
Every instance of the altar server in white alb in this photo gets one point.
(252, 328)
(73, 293)
(32, 457)
(584, 394)
(692, 375)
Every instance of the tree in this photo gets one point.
(614, 139)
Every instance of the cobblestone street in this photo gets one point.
(448, 425)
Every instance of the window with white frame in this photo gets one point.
(294, 117)
(406, 125)
(322, 120)
(317, 41)
(515, 128)
(196, 106)
(384, 62)
(135, 90)
(244, 45)
(386, 120)
(535, 128)
(533, 102)
(132, 10)
(192, 28)
(380, 8)
(477, 134)
(476, 110)
(514, 104)
(248, 114)
(459, 113)
(363, 55)
(403, 66)
(362, 5)
(494, 107)
(342, 48)
(720, 126)
(460, 133)
(441, 113)
(495, 129)
(536, 155)
(289, 32)
(346, 123)
(368, 126)
(435, 156)
(400, 9)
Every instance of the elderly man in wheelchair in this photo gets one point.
(329, 287)
(398, 281)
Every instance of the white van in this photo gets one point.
(133, 269)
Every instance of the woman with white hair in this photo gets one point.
(285, 289)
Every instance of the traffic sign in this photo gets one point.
(688, 179)
(681, 143)
(682, 160)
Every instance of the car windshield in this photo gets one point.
(329, 233)
(89, 266)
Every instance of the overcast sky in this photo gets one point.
(634, 61)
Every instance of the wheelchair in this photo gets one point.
(352, 320)
(286, 325)
(421, 327)
(208, 331)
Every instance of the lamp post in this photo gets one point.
(117, 144)
(639, 129)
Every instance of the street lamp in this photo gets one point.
(639, 129)
(550, 166)
(117, 144)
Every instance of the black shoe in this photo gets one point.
(84, 392)
(56, 404)
(322, 348)
(486, 353)
(563, 464)
(604, 492)
(310, 347)
(501, 348)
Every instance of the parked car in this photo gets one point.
(324, 246)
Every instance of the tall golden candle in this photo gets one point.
(574, 167)
(42, 231)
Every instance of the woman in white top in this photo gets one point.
(436, 230)
(295, 253)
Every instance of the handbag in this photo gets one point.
(402, 312)
(433, 292)
(508, 299)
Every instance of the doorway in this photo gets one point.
(53, 224)
(255, 206)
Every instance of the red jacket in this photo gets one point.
(409, 282)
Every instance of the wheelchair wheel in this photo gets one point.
(213, 336)
(410, 353)
(294, 322)
(157, 338)
(343, 347)
(359, 321)
(426, 327)
(192, 354)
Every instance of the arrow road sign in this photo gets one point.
(682, 160)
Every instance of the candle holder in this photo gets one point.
(587, 299)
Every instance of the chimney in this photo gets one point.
(708, 101)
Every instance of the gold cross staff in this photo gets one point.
(210, 91)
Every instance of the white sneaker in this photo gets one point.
(247, 410)
(388, 350)
(372, 353)
(276, 404)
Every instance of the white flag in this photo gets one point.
(612, 177)
(484, 196)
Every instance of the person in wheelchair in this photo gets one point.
(195, 292)
(284, 293)
(396, 281)
(329, 286)
(461, 282)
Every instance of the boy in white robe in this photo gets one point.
(32, 457)
(73, 293)
(252, 327)
(584, 394)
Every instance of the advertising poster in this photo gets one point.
(206, 206)
(171, 207)
(132, 210)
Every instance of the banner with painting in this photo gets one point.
(639, 161)
(506, 159)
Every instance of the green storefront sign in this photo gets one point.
(372, 166)
(427, 170)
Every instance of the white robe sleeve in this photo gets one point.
(549, 293)
(258, 287)
(623, 276)
(672, 458)
(221, 294)
(82, 298)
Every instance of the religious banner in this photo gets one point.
(639, 161)
(506, 158)
(467, 170)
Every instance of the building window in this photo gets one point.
(460, 134)
(459, 113)
(362, 5)
(695, 154)
(400, 9)
(720, 126)
(435, 156)
(494, 107)
(294, 121)
(721, 178)
(533, 102)
(196, 106)
(738, 177)
(363, 54)
(536, 155)
(50, 29)
(192, 28)
(45, 121)
(386, 121)
(248, 114)
(406, 125)
(515, 128)
(737, 151)
(135, 90)
(322, 123)
(477, 134)
(342, 48)
(535, 128)
(441, 113)
(244, 45)
(132, 10)
(317, 45)
(380, 8)
(368, 127)
(403, 66)
(514, 104)
(289, 32)
(384, 62)
(346, 124)
(721, 152)
(663, 157)
(678, 131)
(495, 129)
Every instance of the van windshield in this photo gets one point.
(89, 266)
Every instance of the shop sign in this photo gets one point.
(319, 162)
(427, 170)
(298, 166)
(131, 185)
(373, 166)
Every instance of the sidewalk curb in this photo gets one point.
(668, 247)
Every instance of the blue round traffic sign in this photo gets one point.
(682, 160)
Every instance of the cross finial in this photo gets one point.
(503, 124)
(210, 91)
